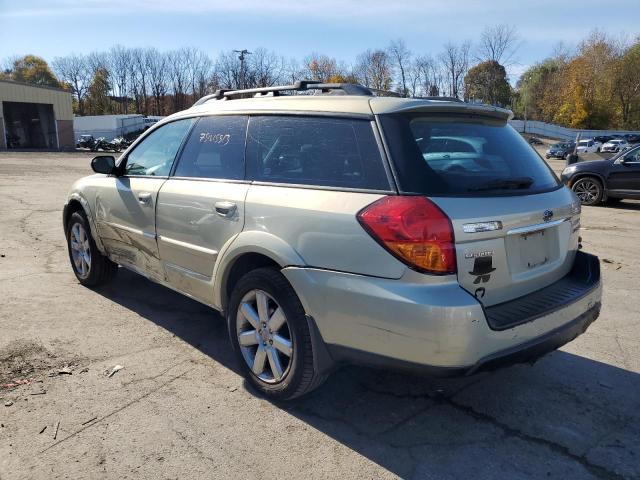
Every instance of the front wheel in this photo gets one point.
(270, 336)
(588, 190)
(89, 265)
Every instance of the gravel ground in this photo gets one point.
(179, 409)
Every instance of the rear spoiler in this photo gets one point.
(445, 107)
(439, 106)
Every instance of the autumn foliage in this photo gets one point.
(597, 87)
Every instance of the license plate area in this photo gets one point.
(531, 251)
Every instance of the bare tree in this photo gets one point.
(455, 63)
(401, 57)
(74, 70)
(498, 43)
(425, 77)
(177, 67)
(156, 66)
(265, 68)
(374, 70)
(228, 70)
(197, 70)
(118, 66)
(206, 81)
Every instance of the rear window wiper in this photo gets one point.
(516, 183)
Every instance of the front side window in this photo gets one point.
(214, 149)
(633, 156)
(154, 155)
(334, 152)
(447, 155)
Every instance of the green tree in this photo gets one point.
(33, 70)
(586, 93)
(488, 83)
(534, 91)
(626, 86)
(98, 98)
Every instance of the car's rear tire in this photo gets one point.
(270, 336)
(588, 190)
(89, 265)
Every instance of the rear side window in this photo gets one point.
(335, 152)
(215, 149)
(463, 156)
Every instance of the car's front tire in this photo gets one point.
(89, 265)
(588, 190)
(270, 336)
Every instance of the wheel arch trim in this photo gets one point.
(79, 199)
(250, 242)
(579, 175)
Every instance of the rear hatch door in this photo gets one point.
(517, 245)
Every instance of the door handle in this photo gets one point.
(144, 198)
(225, 209)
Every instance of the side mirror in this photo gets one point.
(103, 164)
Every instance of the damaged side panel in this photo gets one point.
(125, 218)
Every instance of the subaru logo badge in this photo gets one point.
(547, 215)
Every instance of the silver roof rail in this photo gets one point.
(299, 86)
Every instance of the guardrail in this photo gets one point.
(562, 133)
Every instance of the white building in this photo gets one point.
(108, 126)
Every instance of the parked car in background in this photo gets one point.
(615, 145)
(85, 141)
(588, 145)
(560, 150)
(535, 141)
(605, 180)
(632, 138)
(451, 250)
(603, 138)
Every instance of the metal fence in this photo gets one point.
(562, 133)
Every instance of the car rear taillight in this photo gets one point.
(414, 230)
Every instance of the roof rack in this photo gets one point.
(299, 86)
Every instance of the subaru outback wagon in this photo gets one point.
(345, 227)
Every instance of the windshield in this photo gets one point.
(446, 155)
(583, 143)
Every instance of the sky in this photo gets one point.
(295, 28)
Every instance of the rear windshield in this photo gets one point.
(463, 156)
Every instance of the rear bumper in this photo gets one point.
(438, 328)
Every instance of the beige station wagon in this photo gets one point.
(330, 225)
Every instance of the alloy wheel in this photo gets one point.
(586, 190)
(80, 250)
(264, 336)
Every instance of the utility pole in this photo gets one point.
(242, 53)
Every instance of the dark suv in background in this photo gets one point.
(605, 180)
(560, 150)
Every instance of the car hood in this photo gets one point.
(593, 164)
